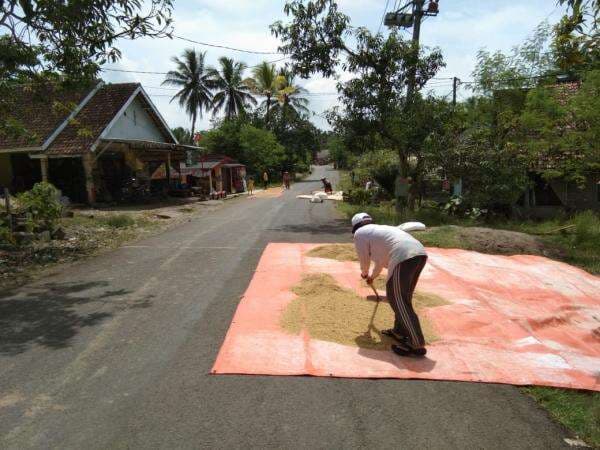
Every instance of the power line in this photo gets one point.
(146, 72)
(256, 52)
(387, 3)
(308, 94)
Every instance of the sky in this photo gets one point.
(460, 30)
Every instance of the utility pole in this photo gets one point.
(418, 15)
(455, 82)
(406, 20)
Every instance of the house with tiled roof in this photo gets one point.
(87, 141)
(547, 198)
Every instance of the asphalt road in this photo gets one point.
(114, 352)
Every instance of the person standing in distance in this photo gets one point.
(404, 257)
(266, 179)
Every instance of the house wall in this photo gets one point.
(6, 175)
(136, 123)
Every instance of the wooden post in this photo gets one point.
(168, 169)
(88, 168)
(44, 168)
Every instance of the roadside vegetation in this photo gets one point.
(46, 233)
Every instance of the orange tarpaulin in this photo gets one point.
(510, 319)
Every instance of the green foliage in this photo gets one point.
(182, 135)
(339, 153)
(587, 229)
(194, 81)
(74, 37)
(517, 69)
(577, 35)
(260, 149)
(42, 203)
(120, 221)
(224, 139)
(5, 234)
(290, 141)
(264, 82)
(358, 196)
(381, 166)
(375, 113)
(233, 94)
(560, 130)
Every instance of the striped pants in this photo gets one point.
(399, 291)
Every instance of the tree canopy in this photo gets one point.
(74, 38)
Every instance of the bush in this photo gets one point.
(587, 228)
(380, 165)
(5, 235)
(42, 203)
(358, 196)
(120, 221)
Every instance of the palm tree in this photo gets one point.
(192, 77)
(264, 82)
(291, 96)
(233, 92)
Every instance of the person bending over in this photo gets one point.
(404, 257)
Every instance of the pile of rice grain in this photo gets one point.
(339, 252)
(331, 313)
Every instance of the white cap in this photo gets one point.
(360, 218)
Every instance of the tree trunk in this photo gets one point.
(268, 108)
(193, 125)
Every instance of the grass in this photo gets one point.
(580, 246)
(577, 410)
(120, 221)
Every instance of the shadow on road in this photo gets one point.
(52, 314)
(334, 227)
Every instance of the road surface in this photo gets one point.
(115, 351)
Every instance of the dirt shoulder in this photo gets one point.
(91, 231)
(489, 240)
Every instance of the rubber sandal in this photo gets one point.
(391, 333)
(405, 350)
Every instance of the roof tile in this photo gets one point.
(40, 109)
(85, 129)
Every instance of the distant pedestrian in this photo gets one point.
(327, 186)
(286, 180)
(250, 186)
(244, 185)
(265, 179)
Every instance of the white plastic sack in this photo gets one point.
(322, 195)
(412, 226)
(316, 199)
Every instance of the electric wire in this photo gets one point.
(387, 3)
(256, 52)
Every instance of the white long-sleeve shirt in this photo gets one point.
(386, 246)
